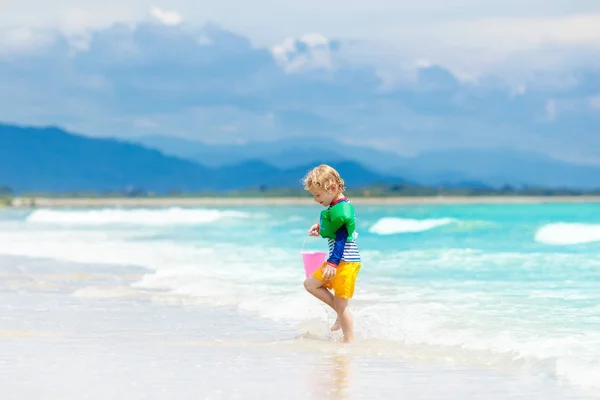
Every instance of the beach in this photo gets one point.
(166, 301)
(58, 347)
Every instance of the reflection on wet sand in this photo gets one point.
(332, 377)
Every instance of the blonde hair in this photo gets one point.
(323, 177)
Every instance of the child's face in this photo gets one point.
(324, 197)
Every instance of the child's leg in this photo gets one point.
(315, 287)
(345, 318)
(336, 325)
(343, 287)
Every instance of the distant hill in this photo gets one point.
(287, 153)
(255, 173)
(53, 160)
(453, 167)
(497, 167)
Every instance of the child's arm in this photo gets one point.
(314, 230)
(341, 215)
(338, 248)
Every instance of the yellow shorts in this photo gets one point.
(343, 282)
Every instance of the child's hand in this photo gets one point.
(314, 230)
(328, 272)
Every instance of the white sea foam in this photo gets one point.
(424, 332)
(430, 322)
(568, 233)
(422, 323)
(96, 247)
(112, 216)
(392, 225)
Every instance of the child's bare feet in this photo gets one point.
(336, 325)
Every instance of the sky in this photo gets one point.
(413, 76)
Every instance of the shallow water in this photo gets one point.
(59, 347)
(481, 295)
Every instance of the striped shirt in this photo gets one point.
(350, 254)
(341, 249)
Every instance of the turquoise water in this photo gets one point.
(512, 287)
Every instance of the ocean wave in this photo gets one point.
(153, 217)
(568, 233)
(393, 225)
(103, 248)
(430, 331)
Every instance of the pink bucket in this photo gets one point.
(313, 260)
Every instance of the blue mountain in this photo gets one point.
(501, 166)
(52, 160)
(453, 167)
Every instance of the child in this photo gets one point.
(337, 225)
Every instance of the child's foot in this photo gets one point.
(336, 325)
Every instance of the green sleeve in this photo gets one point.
(337, 216)
(325, 225)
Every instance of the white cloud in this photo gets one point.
(469, 36)
(24, 40)
(166, 17)
(525, 32)
(75, 20)
(157, 78)
(508, 46)
(423, 63)
(310, 51)
(315, 40)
